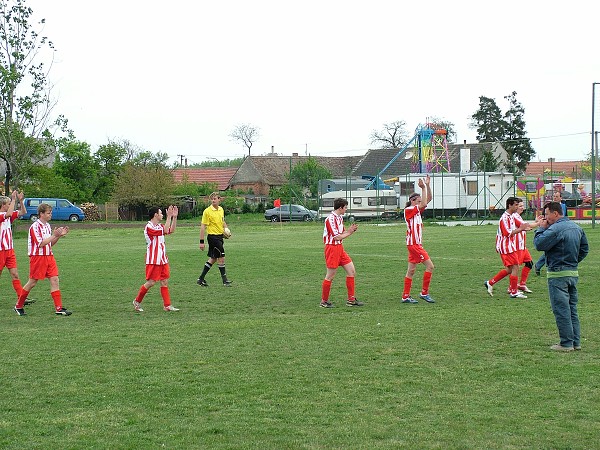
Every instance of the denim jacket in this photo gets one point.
(565, 245)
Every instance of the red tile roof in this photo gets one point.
(219, 175)
(569, 168)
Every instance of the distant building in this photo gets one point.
(220, 176)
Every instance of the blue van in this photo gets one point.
(62, 209)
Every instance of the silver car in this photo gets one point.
(290, 212)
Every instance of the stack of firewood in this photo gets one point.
(91, 211)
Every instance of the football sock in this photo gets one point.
(17, 286)
(166, 296)
(498, 277)
(524, 275)
(407, 286)
(141, 294)
(513, 284)
(57, 299)
(325, 290)
(350, 287)
(22, 298)
(207, 267)
(223, 274)
(426, 281)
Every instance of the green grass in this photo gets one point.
(260, 365)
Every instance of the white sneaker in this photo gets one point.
(137, 306)
(489, 288)
(525, 289)
(170, 308)
(519, 294)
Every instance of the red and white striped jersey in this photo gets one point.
(414, 225)
(334, 225)
(156, 252)
(6, 238)
(521, 235)
(37, 233)
(505, 243)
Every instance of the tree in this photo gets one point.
(446, 125)
(515, 142)
(488, 122)
(487, 162)
(246, 134)
(306, 175)
(74, 161)
(109, 158)
(392, 135)
(26, 131)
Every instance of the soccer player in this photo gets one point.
(157, 263)
(524, 255)
(40, 241)
(7, 252)
(212, 226)
(414, 235)
(335, 255)
(506, 245)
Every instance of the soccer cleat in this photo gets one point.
(137, 306)
(29, 301)
(63, 312)
(489, 287)
(326, 305)
(560, 348)
(519, 294)
(409, 300)
(202, 283)
(19, 311)
(427, 298)
(170, 308)
(354, 303)
(577, 347)
(227, 283)
(524, 289)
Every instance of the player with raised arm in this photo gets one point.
(414, 238)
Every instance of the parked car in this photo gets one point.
(62, 209)
(284, 213)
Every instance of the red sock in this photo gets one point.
(17, 286)
(407, 286)
(498, 277)
(164, 293)
(22, 298)
(325, 290)
(513, 284)
(524, 275)
(426, 281)
(141, 294)
(350, 287)
(57, 299)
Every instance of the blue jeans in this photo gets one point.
(563, 299)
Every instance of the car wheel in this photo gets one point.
(74, 218)
(33, 217)
(274, 219)
(306, 218)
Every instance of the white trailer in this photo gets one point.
(363, 203)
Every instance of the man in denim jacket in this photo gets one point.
(565, 244)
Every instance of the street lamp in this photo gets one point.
(593, 159)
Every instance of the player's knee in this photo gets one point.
(529, 264)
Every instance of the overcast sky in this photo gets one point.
(319, 76)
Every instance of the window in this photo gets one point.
(63, 204)
(52, 203)
(406, 187)
(391, 201)
(327, 203)
(472, 188)
(374, 201)
(357, 201)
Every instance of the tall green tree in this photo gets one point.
(487, 162)
(488, 121)
(447, 125)
(307, 174)
(27, 132)
(74, 161)
(516, 143)
(109, 159)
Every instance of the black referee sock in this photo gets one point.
(207, 267)
(223, 274)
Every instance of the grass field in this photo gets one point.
(261, 366)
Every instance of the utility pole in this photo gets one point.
(181, 159)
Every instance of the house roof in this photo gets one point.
(569, 168)
(218, 175)
(376, 160)
(272, 170)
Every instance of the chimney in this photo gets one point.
(272, 149)
(294, 154)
